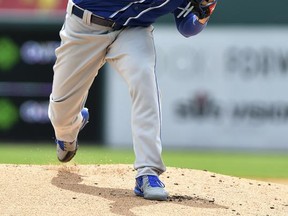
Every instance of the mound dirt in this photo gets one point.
(108, 190)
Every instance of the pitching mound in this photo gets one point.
(107, 190)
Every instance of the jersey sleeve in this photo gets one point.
(187, 22)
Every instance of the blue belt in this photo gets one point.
(96, 19)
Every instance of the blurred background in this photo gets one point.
(222, 89)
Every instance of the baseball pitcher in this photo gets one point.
(119, 32)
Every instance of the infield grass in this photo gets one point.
(240, 164)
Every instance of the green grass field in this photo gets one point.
(240, 164)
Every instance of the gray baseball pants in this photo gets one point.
(85, 48)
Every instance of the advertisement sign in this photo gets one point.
(224, 88)
(26, 73)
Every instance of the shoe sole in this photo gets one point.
(138, 192)
(150, 197)
(68, 156)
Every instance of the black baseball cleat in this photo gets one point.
(67, 150)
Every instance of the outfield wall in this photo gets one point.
(224, 88)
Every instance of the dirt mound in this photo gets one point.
(107, 190)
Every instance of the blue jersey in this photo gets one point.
(145, 12)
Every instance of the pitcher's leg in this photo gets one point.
(133, 56)
(79, 57)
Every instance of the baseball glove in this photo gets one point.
(203, 8)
